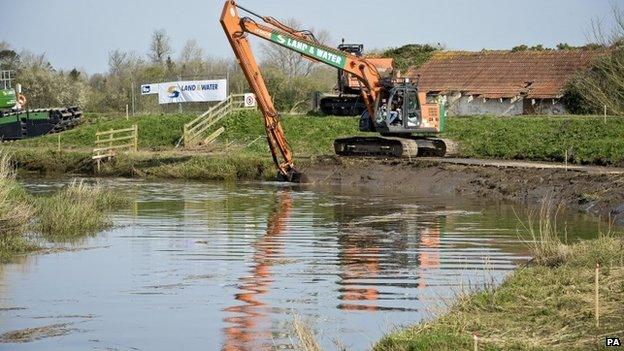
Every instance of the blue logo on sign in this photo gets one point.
(146, 89)
(173, 92)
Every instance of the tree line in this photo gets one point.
(290, 78)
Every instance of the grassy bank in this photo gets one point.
(241, 151)
(74, 212)
(588, 140)
(547, 305)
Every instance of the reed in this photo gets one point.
(15, 213)
(305, 334)
(77, 211)
(540, 234)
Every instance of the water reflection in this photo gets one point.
(249, 326)
(224, 266)
(374, 249)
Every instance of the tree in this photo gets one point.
(74, 75)
(9, 59)
(191, 60)
(289, 62)
(412, 55)
(602, 85)
(160, 48)
(46, 87)
(191, 52)
(608, 37)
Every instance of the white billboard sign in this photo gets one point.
(192, 91)
(149, 89)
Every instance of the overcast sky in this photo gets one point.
(80, 33)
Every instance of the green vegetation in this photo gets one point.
(75, 211)
(69, 214)
(411, 55)
(241, 151)
(548, 305)
(15, 212)
(600, 87)
(588, 140)
(156, 132)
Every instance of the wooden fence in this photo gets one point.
(198, 131)
(108, 143)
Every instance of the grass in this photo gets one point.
(66, 215)
(156, 132)
(15, 213)
(588, 140)
(547, 305)
(241, 151)
(76, 211)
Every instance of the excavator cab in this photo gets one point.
(400, 113)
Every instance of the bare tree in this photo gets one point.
(605, 36)
(601, 88)
(117, 60)
(289, 62)
(191, 52)
(4, 46)
(160, 48)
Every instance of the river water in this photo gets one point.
(199, 266)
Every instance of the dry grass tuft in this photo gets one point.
(542, 236)
(14, 215)
(305, 334)
(76, 211)
(15, 212)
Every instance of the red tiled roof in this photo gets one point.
(502, 74)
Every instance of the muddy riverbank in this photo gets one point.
(591, 191)
(594, 190)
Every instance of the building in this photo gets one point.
(501, 82)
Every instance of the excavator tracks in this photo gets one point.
(399, 147)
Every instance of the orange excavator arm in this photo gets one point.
(303, 42)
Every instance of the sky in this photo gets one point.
(81, 33)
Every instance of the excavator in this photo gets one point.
(395, 109)
(346, 100)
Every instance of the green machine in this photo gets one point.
(17, 122)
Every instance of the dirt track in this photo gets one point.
(595, 190)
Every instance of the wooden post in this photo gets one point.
(597, 295)
(127, 112)
(136, 137)
(184, 137)
(475, 338)
(110, 142)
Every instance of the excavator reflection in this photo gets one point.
(249, 328)
(371, 244)
(359, 257)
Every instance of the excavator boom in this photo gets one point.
(237, 30)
